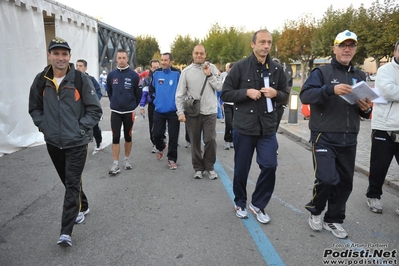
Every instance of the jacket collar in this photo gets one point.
(49, 73)
(350, 68)
(166, 71)
(270, 64)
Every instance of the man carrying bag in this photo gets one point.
(200, 80)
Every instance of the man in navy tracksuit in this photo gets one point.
(163, 87)
(124, 94)
(334, 124)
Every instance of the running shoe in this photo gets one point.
(315, 222)
(336, 229)
(241, 212)
(65, 241)
(114, 170)
(261, 216)
(374, 205)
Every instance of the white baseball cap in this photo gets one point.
(345, 35)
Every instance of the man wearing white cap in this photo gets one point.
(334, 126)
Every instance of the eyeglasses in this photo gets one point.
(343, 46)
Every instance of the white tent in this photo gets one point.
(26, 27)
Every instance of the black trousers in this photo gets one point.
(150, 110)
(228, 119)
(158, 132)
(334, 168)
(69, 164)
(383, 149)
(97, 135)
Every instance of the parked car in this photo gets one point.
(372, 77)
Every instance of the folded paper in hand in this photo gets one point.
(360, 90)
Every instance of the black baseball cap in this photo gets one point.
(58, 43)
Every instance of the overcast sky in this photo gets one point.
(164, 20)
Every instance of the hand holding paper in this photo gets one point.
(360, 90)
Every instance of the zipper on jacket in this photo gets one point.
(59, 116)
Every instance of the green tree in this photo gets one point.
(295, 41)
(383, 29)
(182, 49)
(226, 44)
(146, 48)
(274, 50)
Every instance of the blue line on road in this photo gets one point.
(265, 247)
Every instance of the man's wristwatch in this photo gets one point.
(368, 110)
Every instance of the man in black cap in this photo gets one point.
(65, 108)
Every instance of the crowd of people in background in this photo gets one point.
(249, 97)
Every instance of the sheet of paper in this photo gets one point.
(269, 103)
(360, 90)
(380, 99)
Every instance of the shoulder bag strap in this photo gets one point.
(203, 87)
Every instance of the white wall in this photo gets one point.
(23, 48)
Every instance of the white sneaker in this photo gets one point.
(261, 216)
(154, 149)
(127, 165)
(97, 149)
(114, 169)
(315, 222)
(65, 241)
(374, 205)
(241, 212)
(226, 146)
(198, 175)
(100, 148)
(212, 175)
(81, 216)
(336, 229)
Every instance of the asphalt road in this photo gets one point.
(151, 215)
